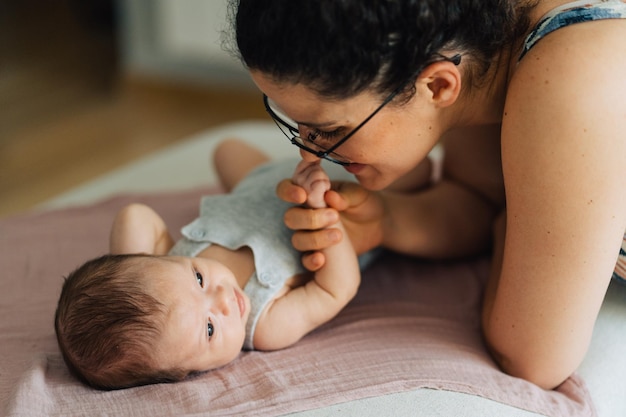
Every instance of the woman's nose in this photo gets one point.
(308, 156)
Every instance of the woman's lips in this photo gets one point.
(354, 168)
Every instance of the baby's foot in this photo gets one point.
(311, 177)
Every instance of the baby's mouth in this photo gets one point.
(241, 303)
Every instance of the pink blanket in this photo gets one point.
(413, 324)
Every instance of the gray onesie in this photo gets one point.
(251, 215)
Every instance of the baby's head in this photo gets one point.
(128, 320)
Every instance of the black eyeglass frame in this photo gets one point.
(326, 153)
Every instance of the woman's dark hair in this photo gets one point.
(343, 47)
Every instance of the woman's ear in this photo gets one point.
(442, 82)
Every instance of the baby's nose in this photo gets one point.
(222, 300)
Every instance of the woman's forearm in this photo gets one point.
(444, 221)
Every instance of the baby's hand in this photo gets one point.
(311, 177)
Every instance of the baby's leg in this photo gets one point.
(234, 159)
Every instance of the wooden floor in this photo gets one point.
(41, 160)
(67, 115)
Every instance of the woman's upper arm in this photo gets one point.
(563, 149)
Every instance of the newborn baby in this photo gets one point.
(232, 281)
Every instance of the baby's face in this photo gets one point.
(205, 325)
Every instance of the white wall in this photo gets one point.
(180, 40)
(192, 29)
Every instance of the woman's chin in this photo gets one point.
(368, 177)
(372, 183)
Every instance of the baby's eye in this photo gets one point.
(200, 279)
(210, 329)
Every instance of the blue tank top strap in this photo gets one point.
(572, 13)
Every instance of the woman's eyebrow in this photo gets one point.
(317, 125)
(281, 114)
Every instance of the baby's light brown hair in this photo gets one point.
(108, 325)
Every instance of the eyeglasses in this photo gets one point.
(290, 128)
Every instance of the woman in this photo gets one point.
(528, 101)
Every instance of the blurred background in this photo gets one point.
(87, 86)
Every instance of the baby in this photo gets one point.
(154, 311)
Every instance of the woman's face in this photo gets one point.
(388, 146)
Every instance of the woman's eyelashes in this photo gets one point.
(324, 134)
(327, 135)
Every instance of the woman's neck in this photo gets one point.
(483, 103)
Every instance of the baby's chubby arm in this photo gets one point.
(137, 228)
(335, 284)
(305, 308)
